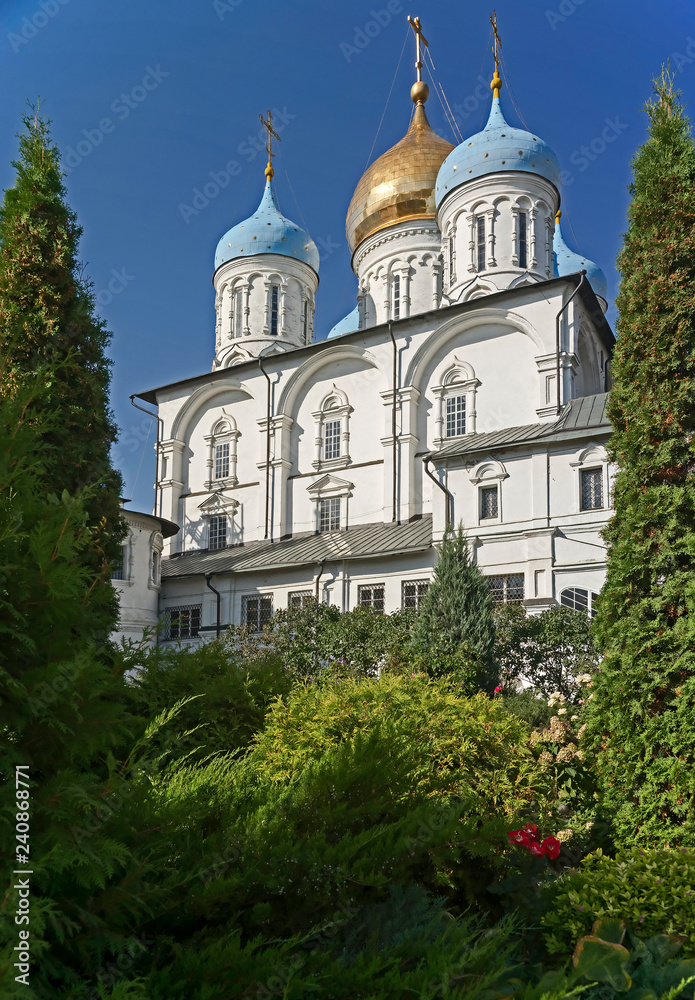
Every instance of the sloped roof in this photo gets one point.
(579, 418)
(364, 541)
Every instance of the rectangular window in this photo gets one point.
(118, 568)
(412, 593)
(238, 312)
(480, 242)
(507, 589)
(455, 416)
(222, 460)
(299, 598)
(329, 514)
(371, 596)
(256, 610)
(523, 239)
(452, 274)
(396, 296)
(489, 506)
(182, 622)
(331, 439)
(217, 533)
(592, 489)
(305, 321)
(274, 300)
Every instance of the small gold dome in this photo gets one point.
(400, 184)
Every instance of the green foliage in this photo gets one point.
(548, 651)
(528, 706)
(454, 632)
(641, 722)
(229, 697)
(48, 328)
(653, 891)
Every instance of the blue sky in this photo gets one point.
(181, 83)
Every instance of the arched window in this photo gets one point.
(396, 296)
(455, 402)
(480, 242)
(579, 599)
(222, 454)
(332, 431)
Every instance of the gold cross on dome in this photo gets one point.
(498, 40)
(272, 134)
(414, 23)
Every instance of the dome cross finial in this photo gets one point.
(419, 92)
(272, 134)
(496, 84)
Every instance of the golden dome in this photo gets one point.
(400, 184)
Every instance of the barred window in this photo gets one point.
(182, 622)
(523, 239)
(592, 489)
(455, 416)
(119, 563)
(371, 596)
(507, 589)
(480, 241)
(299, 598)
(222, 460)
(274, 299)
(329, 514)
(412, 593)
(579, 599)
(489, 502)
(452, 273)
(331, 439)
(396, 296)
(256, 610)
(217, 532)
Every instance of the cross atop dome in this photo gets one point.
(419, 92)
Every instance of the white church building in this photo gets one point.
(468, 386)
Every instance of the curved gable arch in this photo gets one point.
(197, 400)
(312, 366)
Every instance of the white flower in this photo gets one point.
(562, 711)
(574, 718)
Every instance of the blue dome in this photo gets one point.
(499, 147)
(347, 324)
(267, 231)
(569, 262)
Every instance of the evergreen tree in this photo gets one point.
(454, 631)
(47, 319)
(642, 718)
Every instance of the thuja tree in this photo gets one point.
(454, 632)
(642, 719)
(47, 318)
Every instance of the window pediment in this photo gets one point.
(329, 486)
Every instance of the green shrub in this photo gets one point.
(529, 707)
(653, 891)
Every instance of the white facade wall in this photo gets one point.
(139, 588)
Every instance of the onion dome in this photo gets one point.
(498, 148)
(267, 231)
(569, 262)
(347, 324)
(399, 186)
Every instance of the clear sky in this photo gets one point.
(181, 83)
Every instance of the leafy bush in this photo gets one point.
(529, 707)
(653, 891)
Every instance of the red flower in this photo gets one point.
(498, 689)
(551, 846)
(530, 828)
(536, 849)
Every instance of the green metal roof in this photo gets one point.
(364, 541)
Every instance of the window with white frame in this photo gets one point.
(182, 622)
(592, 489)
(480, 241)
(454, 401)
(396, 296)
(256, 610)
(332, 431)
(222, 460)
(522, 222)
(329, 514)
(238, 312)
(579, 599)
(300, 598)
(371, 595)
(452, 265)
(305, 322)
(119, 567)
(455, 415)
(156, 546)
(413, 593)
(507, 589)
(217, 532)
(222, 453)
(274, 309)
(489, 502)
